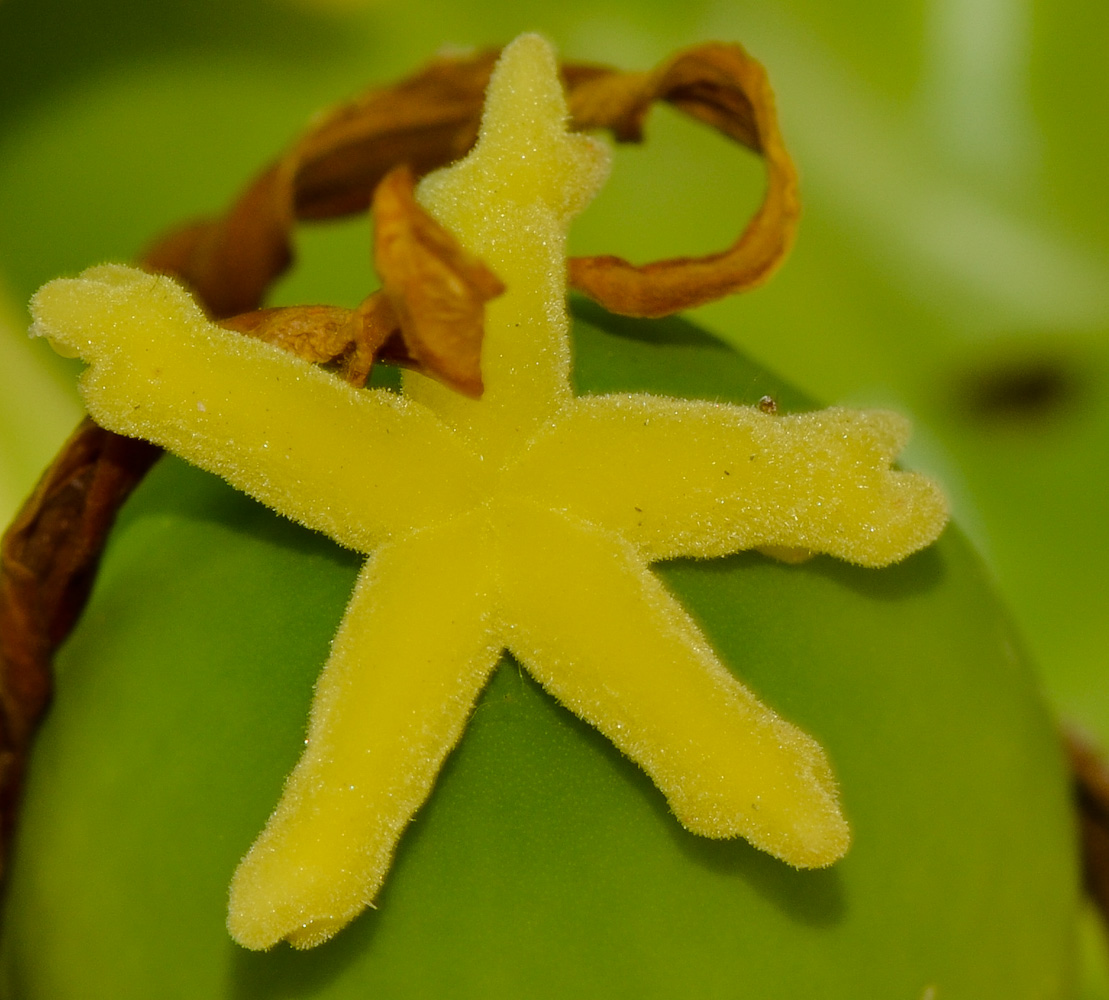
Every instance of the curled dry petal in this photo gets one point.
(348, 338)
(438, 289)
(318, 334)
(725, 88)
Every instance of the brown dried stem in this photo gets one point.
(49, 559)
(721, 86)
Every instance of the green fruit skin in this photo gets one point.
(544, 864)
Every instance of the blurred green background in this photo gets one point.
(953, 260)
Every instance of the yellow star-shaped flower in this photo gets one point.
(524, 521)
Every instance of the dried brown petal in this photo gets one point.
(438, 289)
(725, 88)
(350, 338)
(375, 332)
(315, 333)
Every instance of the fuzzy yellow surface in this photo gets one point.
(524, 521)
